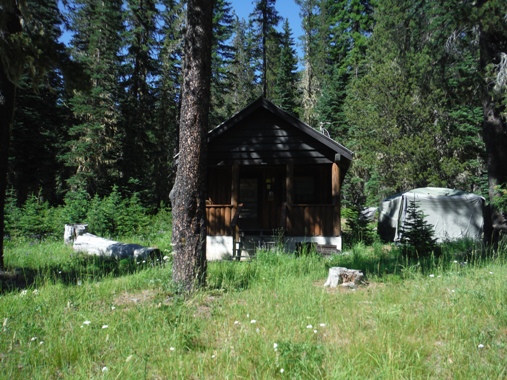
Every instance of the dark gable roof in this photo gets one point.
(320, 141)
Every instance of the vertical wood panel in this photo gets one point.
(335, 191)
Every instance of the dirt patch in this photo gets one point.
(142, 297)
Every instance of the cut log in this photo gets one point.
(350, 278)
(95, 245)
(72, 231)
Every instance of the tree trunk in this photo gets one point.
(494, 128)
(189, 191)
(7, 103)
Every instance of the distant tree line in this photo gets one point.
(417, 89)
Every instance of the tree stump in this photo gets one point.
(348, 278)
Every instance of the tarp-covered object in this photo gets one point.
(453, 214)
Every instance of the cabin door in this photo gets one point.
(262, 191)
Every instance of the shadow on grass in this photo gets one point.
(81, 268)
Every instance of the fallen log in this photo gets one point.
(349, 278)
(95, 245)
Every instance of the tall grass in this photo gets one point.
(267, 318)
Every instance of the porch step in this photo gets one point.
(326, 249)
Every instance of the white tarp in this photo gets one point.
(454, 214)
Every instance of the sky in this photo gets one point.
(286, 9)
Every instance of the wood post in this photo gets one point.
(335, 191)
(234, 202)
(289, 186)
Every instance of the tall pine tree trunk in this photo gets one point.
(189, 191)
(492, 45)
(10, 25)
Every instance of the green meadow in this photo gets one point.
(69, 316)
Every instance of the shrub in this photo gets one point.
(418, 236)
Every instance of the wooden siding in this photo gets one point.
(219, 220)
(310, 220)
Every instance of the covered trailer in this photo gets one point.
(454, 214)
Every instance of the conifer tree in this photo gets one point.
(266, 17)
(285, 91)
(95, 148)
(189, 191)
(417, 235)
(138, 149)
(245, 88)
(222, 56)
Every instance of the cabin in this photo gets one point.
(272, 179)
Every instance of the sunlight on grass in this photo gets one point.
(267, 318)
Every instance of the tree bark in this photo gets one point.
(189, 191)
(7, 104)
(494, 130)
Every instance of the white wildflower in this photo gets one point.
(86, 322)
(105, 326)
(23, 293)
(322, 325)
(171, 348)
(431, 275)
(315, 331)
(309, 327)
(41, 342)
(480, 346)
(34, 338)
(275, 346)
(104, 369)
(236, 322)
(253, 321)
(282, 370)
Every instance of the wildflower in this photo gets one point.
(86, 322)
(315, 331)
(41, 342)
(166, 258)
(455, 261)
(34, 338)
(236, 322)
(171, 348)
(275, 346)
(35, 291)
(282, 370)
(257, 330)
(309, 326)
(213, 356)
(23, 293)
(490, 272)
(253, 321)
(480, 346)
(322, 325)
(113, 307)
(432, 275)
(104, 369)
(105, 326)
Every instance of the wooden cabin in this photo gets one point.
(272, 178)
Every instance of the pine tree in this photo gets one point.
(285, 93)
(246, 87)
(222, 56)
(141, 67)
(417, 235)
(95, 149)
(266, 17)
(189, 191)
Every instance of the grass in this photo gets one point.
(84, 318)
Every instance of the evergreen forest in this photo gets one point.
(416, 88)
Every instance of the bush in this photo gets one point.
(418, 236)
